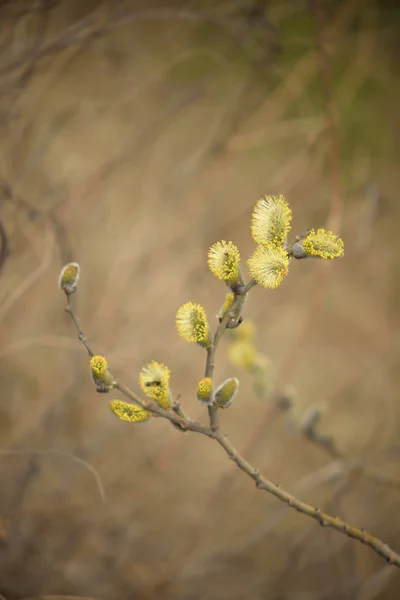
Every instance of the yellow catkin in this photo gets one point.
(324, 244)
(268, 266)
(154, 381)
(99, 365)
(192, 324)
(224, 261)
(271, 219)
(205, 391)
(130, 412)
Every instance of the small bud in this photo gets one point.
(130, 412)
(205, 391)
(287, 401)
(224, 261)
(297, 250)
(69, 277)
(310, 419)
(268, 266)
(284, 402)
(238, 289)
(323, 244)
(226, 392)
(271, 220)
(234, 323)
(102, 378)
(101, 386)
(192, 324)
(154, 381)
(235, 318)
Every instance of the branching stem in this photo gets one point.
(236, 308)
(214, 433)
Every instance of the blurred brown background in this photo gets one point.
(134, 135)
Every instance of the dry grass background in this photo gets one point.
(133, 135)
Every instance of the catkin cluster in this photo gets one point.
(268, 266)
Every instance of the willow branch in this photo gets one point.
(262, 483)
(147, 403)
(236, 309)
(324, 519)
(185, 424)
(81, 336)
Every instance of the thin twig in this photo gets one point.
(146, 403)
(309, 427)
(77, 323)
(261, 482)
(236, 308)
(52, 451)
(4, 246)
(187, 425)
